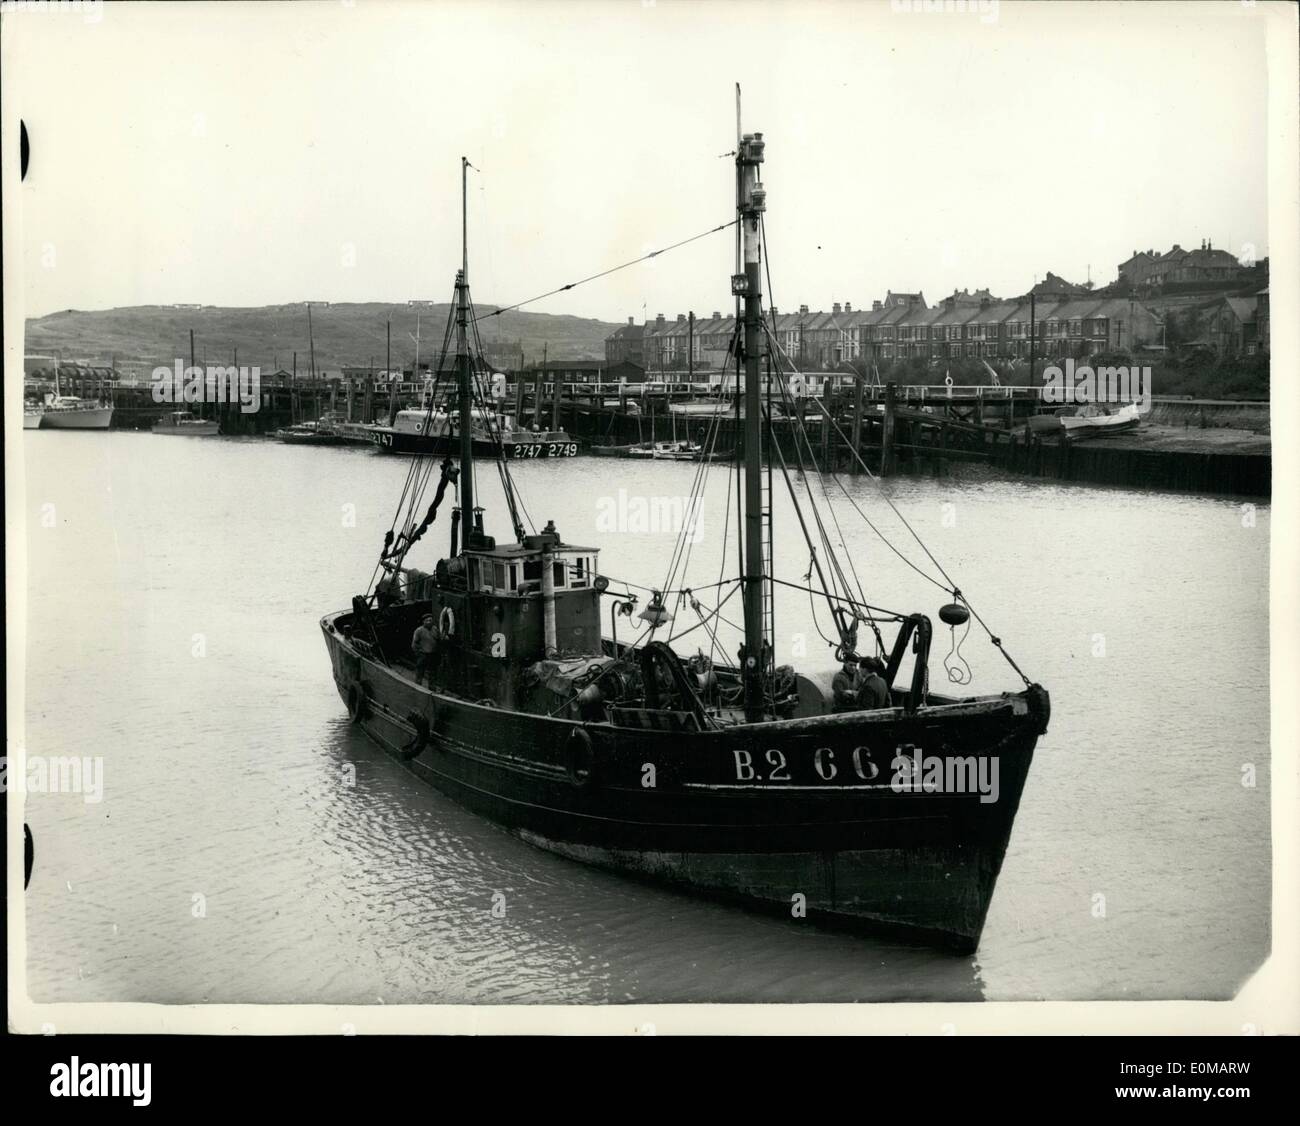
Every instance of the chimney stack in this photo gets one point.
(875, 305)
(659, 318)
(629, 320)
(847, 307)
(836, 307)
(681, 318)
(803, 309)
(718, 316)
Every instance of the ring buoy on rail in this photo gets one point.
(580, 758)
(447, 622)
(358, 701)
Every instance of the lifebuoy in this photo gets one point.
(580, 758)
(447, 622)
(358, 701)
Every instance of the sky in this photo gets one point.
(249, 154)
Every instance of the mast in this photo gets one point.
(388, 369)
(1031, 338)
(750, 205)
(311, 343)
(415, 369)
(463, 367)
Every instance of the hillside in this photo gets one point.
(143, 336)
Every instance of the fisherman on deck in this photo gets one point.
(424, 646)
(845, 686)
(873, 691)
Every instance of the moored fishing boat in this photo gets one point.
(185, 424)
(652, 451)
(435, 433)
(325, 431)
(744, 781)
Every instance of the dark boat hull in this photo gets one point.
(799, 817)
(391, 441)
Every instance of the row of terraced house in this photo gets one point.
(903, 326)
(1066, 319)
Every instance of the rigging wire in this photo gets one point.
(951, 588)
(611, 270)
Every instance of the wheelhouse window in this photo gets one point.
(578, 573)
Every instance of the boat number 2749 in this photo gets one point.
(544, 449)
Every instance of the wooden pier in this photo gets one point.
(892, 427)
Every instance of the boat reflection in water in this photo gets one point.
(735, 778)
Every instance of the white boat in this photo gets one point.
(324, 432)
(1094, 421)
(186, 425)
(668, 451)
(67, 412)
(32, 416)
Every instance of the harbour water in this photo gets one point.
(251, 846)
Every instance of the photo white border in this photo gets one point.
(1268, 1004)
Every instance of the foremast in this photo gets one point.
(750, 204)
(464, 377)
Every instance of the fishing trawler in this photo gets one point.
(433, 432)
(738, 779)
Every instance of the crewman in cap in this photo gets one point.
(424, 646)
(845, 686)
(873, 692)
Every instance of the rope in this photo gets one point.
(606, 273)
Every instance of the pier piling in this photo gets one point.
(887, 433)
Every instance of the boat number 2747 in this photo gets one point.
(544, 449)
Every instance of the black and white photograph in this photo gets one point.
(649, 517)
